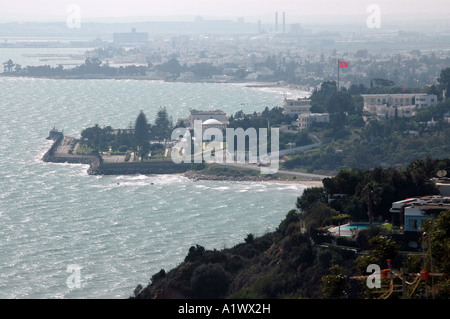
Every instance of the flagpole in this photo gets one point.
(338, 75)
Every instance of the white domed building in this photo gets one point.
(213, 123)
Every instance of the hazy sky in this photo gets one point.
(26, 10)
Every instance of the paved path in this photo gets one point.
(64, 147)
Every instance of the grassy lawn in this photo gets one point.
(83, 149)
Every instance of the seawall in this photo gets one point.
(145, 168)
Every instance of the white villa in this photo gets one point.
(294, 107)
(306, 120)
(405, 105)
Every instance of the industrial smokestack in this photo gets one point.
(284, 22)
(276, 21)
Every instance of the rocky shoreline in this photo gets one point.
(244, 178)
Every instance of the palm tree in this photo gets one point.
(371, 193)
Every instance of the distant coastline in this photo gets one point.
(248, 84)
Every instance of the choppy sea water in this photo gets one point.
(119, 230)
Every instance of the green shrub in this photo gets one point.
(195, 253)
(249, 239)
(267, 287)
(123, 148)
(158, 276)
(210, 281)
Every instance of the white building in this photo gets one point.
(405, 105)
(203, 116)
(416, 210)
(130, 38)
(294, 107)
(425, 100)
(382, 111)
(306, 120)
(213, 123)
(187, 76)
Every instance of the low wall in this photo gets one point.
(49, 156)
(57, 137)
(145, 168)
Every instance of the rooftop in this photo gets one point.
(212, 122)
(432, 202)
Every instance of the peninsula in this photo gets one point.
(64, 150)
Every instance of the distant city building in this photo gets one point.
(296, 28)
(131, 38)
(260, 74)
(306, 120)
(405, 105)
(187, 76)
(294, 107)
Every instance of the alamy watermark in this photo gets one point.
(235, 150)
(374, 19)
(74, 18)
(374, 280)
(74, 279)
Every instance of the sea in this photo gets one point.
(67, 235)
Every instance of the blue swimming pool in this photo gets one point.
(355, 225)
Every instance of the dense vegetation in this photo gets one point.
(298, 261)
(273, 117)
(89, 68)
(137, 138)
(350, 142)
(121, 141)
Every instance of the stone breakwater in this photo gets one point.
(59, 153)
(145, 168)
(246, 178)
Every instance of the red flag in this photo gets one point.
(343, 64)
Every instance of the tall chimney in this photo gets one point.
(276, 21)
(284, 22)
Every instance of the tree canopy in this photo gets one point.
(141, 135)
